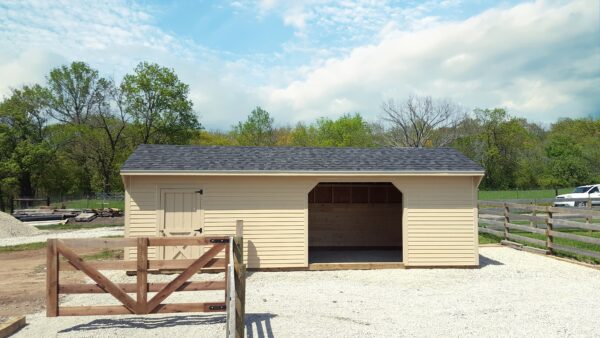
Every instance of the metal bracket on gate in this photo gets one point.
(217, 307)
(219, 241)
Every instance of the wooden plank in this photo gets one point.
(178, 241)
(230, 292)
(122, 310)
(577, 251)
(588, 226)
(492, 222)
(96, 276)
(142, 275)
(540, 219)
(240, 309)
(183, 277)
(132, 288)
(51, 279)
(11, 325)
(526, 228)
(492, 232)
(99, 243)
(519, 246)
(165, 264)
(586, 239)
(526, 239)
(580, 211)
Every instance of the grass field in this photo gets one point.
(90, 204)
(520, 194)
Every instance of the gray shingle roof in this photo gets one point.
(296, 159)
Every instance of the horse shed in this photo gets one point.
(305, 207)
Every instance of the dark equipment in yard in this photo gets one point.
(27, 203)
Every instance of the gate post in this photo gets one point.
(236, 284)
(51, 278)
(142, 276)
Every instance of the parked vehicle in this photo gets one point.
(579, 197)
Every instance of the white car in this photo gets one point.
(583, 192)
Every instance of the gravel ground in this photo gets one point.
(513, 294)
(11, 227)
(45, 234)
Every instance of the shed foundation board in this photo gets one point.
(319, 255)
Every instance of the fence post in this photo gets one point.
(506, 220)
(240, 279)
(533, 223)
(142, 275)
(588, 219)
(549, 227)
(51, 279)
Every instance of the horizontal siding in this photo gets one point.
(438, 229)
(439, 222)
(273, 211)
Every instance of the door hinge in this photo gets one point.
(217, 307)
(219, 241)
(200, 192)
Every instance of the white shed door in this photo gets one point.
(181, 217)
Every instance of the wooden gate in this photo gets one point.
(231, 246)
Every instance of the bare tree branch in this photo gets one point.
(422, 121)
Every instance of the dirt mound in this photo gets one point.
(12, 227)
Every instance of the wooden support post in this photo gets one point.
(533, 223)
(142, 276)
(549, 237)
(506, 220)
(51, 279)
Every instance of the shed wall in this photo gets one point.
(439, 225)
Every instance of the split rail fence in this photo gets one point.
(233, 284)
(546, 221)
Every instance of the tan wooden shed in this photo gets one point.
(303, 207)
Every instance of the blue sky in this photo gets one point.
(304, 59)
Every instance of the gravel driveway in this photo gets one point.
(83, 233)
(513, 294)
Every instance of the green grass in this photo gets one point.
(23, 247)
(520, 194)
(75, 226)
(488, 238)
(105, 255)
(41, 245)
(90, 204)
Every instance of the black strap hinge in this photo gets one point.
(200, 192)
(217, 307)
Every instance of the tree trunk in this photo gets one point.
(25, 188)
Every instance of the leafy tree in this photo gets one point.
(573, 154)
(159, 104)
(498, 145)
(75, 91)
(257, 130)
(214, 138)
(346, 131)
(25, 151)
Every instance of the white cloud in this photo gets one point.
(539, 59)
(536, 59)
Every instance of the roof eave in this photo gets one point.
(299, 173)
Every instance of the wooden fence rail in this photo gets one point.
(233, 302)
(548, 215)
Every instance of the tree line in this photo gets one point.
(70, 134)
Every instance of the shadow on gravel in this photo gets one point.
(485, 261)
(257, 324)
